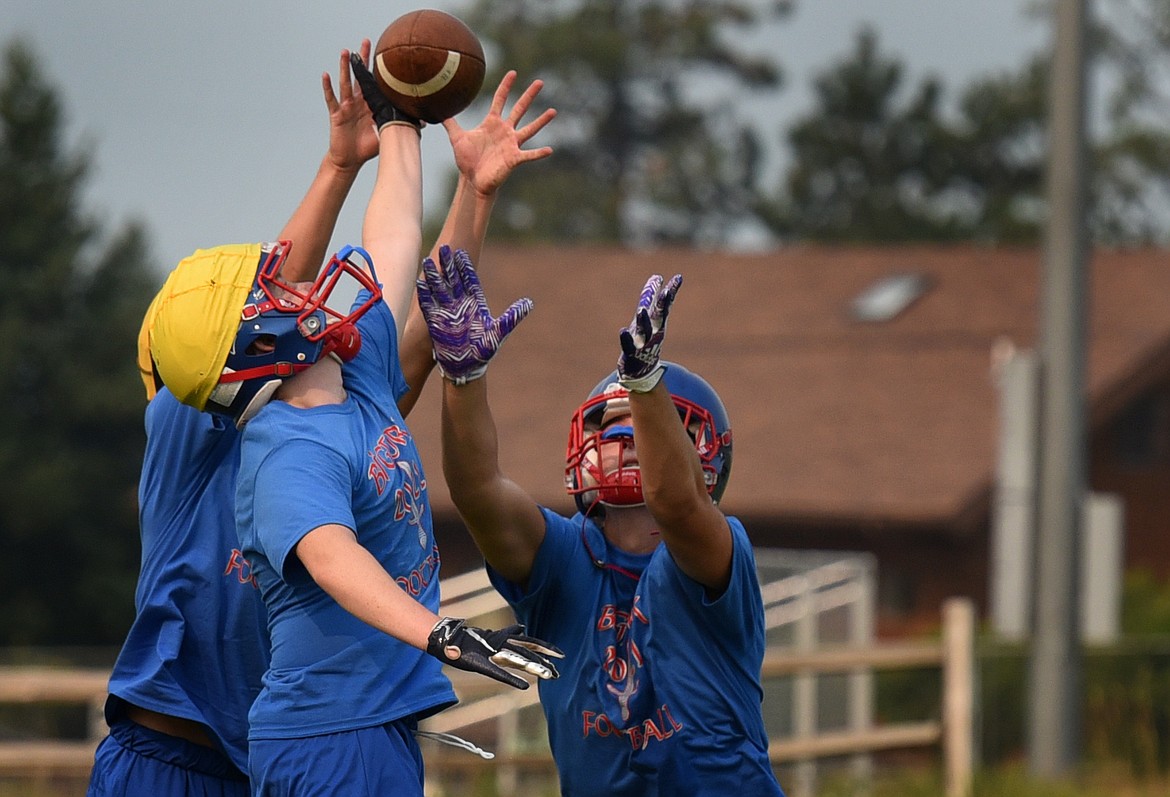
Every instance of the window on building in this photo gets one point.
(1141, 433)
(885, 299)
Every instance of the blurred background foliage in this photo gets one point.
(71, 430)
(657, 142)
(1126, 687)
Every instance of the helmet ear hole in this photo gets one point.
(262, 344)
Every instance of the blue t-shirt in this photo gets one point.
(356, 465)
(198, 645)
(659, 691)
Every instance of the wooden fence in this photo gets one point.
(952, 733)
(53, 686)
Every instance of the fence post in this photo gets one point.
(97, 719)
(958, 695)
(508, 725)
(861, 678)
(804, 688)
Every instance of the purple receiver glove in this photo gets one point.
(464, 335)
(638, 367)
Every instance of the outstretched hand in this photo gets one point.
(353, 140)
(487, 153)
(639, 368)
(464, 334)
(493, 653)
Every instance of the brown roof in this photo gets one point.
(834, 419)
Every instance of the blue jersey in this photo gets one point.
(659, 691)
(352, 464)
(198, 645)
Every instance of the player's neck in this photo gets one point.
(631, 529)
(314, 387)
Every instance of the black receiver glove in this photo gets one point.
(381, 108)
(487, 652)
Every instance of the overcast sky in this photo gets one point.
(206, 121)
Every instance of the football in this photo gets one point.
(429, 64)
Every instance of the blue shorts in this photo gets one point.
(133, 760)
(368, 762)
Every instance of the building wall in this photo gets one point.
(917, 569)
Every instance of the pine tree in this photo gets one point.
(71, 433)
(868, 165)
(639, 157)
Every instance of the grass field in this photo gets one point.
(1007, 781)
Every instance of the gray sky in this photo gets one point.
(206, 119)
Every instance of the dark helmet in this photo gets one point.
(702, 413)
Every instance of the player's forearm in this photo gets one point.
(506, 524)
(415, 356)
(694, 529)
(392, 227)
(470, 442)
(311, 226)
(672, 476)
(357, 581)
(467, 221)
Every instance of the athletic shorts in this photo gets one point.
(382, 761)
(133, 760)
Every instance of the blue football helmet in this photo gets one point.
(702, 413)
(286, 327)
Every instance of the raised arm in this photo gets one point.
(505, 522)
(692, 526)
(485, 156)
(352, 142)
(392, 226)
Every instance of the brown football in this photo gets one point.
(429, 64)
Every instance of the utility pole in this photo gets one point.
(1055, 667)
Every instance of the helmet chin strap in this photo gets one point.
(599, 561)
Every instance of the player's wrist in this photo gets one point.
(340, 170)
(413, 124)
(441, 636)
(463, 376)
(644, 383)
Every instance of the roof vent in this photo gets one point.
(889, 296)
